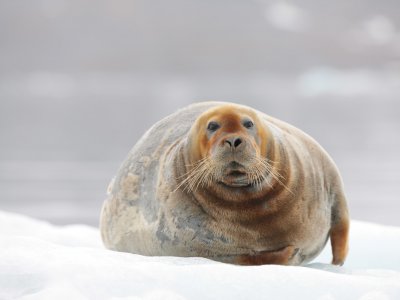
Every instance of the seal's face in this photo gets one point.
(228, 148)
(232, 143)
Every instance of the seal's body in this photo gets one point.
(226, 182)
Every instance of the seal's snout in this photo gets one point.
(233, 142)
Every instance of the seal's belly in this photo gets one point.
(190, 232)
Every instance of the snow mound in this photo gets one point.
(41, 261)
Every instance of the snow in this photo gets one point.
(42, 261)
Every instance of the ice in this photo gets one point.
(325, 81)
(285, 16)
(42, 261)
(380, 30)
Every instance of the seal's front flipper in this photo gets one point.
(278, 257)
(339, 241)
(339, 233)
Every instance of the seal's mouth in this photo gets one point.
(235, 175)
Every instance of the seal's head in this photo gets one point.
(228, 146)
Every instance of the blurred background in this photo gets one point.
(81, 81)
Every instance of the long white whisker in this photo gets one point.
(276, 175)
(199, 175)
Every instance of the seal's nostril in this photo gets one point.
(233, 142)
(237, 142)
(228, 142)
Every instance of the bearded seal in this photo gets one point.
(229, 183)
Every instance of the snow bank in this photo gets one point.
(41, 261)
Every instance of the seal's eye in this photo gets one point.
(213, 126)
(248, 124)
